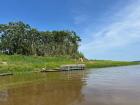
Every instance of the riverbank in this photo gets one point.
(20, 63)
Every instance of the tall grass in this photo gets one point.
(20, 63)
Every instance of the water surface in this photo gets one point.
(106, 86)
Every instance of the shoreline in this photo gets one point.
(25, 78)
(22, 64)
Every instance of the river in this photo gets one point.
(105, 86)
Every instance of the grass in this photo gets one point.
(23, 66)
(108, 63)
(20, 63)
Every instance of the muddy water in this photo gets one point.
(106, 86)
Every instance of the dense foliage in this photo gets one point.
(21, 38)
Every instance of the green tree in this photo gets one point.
(20, 38)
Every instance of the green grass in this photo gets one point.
(20, 63)
(108, 63)
(23, 66)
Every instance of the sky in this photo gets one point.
(109, 29)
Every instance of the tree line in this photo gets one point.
(21, 38)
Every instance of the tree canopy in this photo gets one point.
(21, 38)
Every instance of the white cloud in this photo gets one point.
(120, 33)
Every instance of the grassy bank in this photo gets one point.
(20, 63)
(108, 63)
(21, 66)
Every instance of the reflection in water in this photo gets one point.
(107, 86)
(53, 92)
(3, 95)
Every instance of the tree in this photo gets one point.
(20, 38)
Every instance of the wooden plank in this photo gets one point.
(5, 74)
(72, 67)
(49, 71)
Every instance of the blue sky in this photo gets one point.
(110, 29)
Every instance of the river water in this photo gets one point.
(105, 86)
